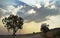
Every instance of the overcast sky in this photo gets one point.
(34, 12)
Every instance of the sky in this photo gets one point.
(34, 13)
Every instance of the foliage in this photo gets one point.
(13, 22)
(44, 27)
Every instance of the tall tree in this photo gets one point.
(13, 22)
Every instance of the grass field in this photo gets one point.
(37, 35)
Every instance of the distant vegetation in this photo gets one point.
(50, 33)
(44, 27)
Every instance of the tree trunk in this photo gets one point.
(14, 32)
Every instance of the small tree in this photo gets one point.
(44, 27)
(13, 22)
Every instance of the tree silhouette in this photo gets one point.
(44, 27)
(13, 22)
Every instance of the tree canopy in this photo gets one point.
(44, 27)
(13, 22)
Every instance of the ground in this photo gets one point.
(53, 33)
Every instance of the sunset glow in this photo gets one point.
(34, 13)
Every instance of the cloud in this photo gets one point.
(2, 12)
(13, 10)
(31, 11)
(40, 14)
(36, 14)
(38, 5)
(57, 3)
(47, 9)
(53, 21)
